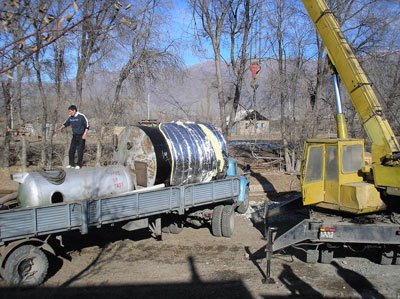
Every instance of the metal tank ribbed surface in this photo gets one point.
(198, 151)
(173, 153)
(88, 182)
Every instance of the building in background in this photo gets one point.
(250, 125)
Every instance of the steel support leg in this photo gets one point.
(268, 231)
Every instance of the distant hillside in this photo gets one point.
(187, 95)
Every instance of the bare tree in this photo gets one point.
(240, 21)
(223, 21)
(58, 75)
(16, 28)
(146, 56)
(48, 26)
(43, 97)
(212, 17)
(279, 13)
(29, 28)
(6, 88)
(99, 20)
(21, 71)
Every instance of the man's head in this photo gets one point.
(72, 110)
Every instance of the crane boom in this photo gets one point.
(364, 99)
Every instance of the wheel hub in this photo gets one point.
(26, 269)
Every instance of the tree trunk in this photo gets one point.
(239, 70)
(59, 68)
(7, 122)
(43, 155)
(24, 142)
(220, 88)
(99, 145)
(66, 149)
(288, 160)
(79, 86)
(213, 29)
(318, 89)
(282, 96)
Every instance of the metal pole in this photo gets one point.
(269, 252)
(340, 119)
(268, 231)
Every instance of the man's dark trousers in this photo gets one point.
(76, 142)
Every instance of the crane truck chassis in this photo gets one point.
(320, 234)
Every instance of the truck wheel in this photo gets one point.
(26, 266)
(326, 256)
(216, 221)
(397, 256)
(175, 227)
(312, 256)
(228, 221)
(386, 256)
(244, 206)
(172, 224)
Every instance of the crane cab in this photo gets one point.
(331, 177)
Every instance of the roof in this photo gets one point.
(251, 114)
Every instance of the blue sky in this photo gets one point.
(183, 29)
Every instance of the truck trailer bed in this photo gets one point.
(80, 215)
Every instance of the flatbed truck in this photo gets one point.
(25, 233)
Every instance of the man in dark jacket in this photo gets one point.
(80, 126)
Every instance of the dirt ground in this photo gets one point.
(112, 263)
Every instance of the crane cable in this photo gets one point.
(255, 68)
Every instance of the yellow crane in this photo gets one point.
(333, 173)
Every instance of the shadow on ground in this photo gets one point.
(196, 288)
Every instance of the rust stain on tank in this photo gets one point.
(147, 145)
(136, 146)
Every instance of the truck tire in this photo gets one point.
(326, 256)
(172, 224)
(26, 266)
(312, 256)
(175, 227)
(386, 256)
(244, 206)
(397, 256)
(228, 221)
(397, 260)
(216, 221)
(165, 229)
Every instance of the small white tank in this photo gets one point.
(85, 183)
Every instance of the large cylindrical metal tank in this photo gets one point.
(89, 182)
(172, 153)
